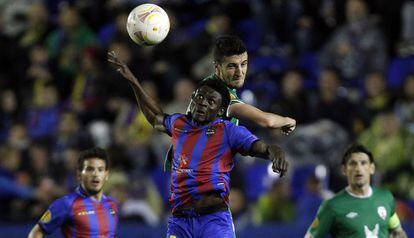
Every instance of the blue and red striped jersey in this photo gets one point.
(203, 157)
(79, 216)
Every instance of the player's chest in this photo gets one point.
(369, 219)
(97, 218)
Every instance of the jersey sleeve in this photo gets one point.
(234, 98)
(169, 121)
(57, 213)
(321, 225)
(240, 138)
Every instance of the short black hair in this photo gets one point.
(219, 87)
(93, 153)
(356, 148)
(227, 45)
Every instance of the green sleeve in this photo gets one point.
(322, 224)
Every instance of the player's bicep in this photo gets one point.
(55, 216)
(159, 123)
(240, 138)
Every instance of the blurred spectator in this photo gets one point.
(9, 113)
(38, 26)
(329, 102)
(276, 205)
(13, 185)
(376, 99)
(404, 107)
(87, 91)
(239, 208)
(293, 99)
(358, 46)
(183, 90)
(66, 44)
(387, 139)
(42, 118)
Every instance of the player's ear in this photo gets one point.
(343, 170)
(221, 111)
(372, 168)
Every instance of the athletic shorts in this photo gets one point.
(217, 224)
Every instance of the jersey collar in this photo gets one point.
(369, 194)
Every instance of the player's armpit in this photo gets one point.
(398, 233)
(36, 232)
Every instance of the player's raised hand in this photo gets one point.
(289, 126)
(277, 156)
(122, 68)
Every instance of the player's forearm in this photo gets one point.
(261, 150)
(148, 105)
(252, 114)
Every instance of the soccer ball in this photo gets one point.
(148, 24)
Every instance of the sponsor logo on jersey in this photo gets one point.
(351, 215)
(84, 213)
(373, 233)
(210, 131)
(382, 212)
(46, 217)
(172, 236)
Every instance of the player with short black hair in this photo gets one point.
(359, 210)
(86, 212)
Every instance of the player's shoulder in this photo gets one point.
(337, 198)
(383, 192)
(65, 201)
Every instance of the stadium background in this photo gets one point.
(341, 71)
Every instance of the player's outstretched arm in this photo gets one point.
(398, 233)
(147, 104)
(36, 232)
(252, 114)
(272, 152)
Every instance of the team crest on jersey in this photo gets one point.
(112, 212)
(46, 217)
(182, 161)
(210, 131)
(382, 212)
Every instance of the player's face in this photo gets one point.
(206, 105)
(358, 170)
(232, 70)
(93, 175)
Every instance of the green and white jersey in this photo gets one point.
(348, 215)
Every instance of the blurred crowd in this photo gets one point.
(344, 69)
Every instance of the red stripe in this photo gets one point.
(207, 160)
(80, 222)
(186, 151)
(103, 223)
(179, 124)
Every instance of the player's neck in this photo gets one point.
(96, 197)
(361, 192)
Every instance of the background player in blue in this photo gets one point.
(86, 212)
(204, 146)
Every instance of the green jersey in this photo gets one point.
(233, 100)
(348, 215)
